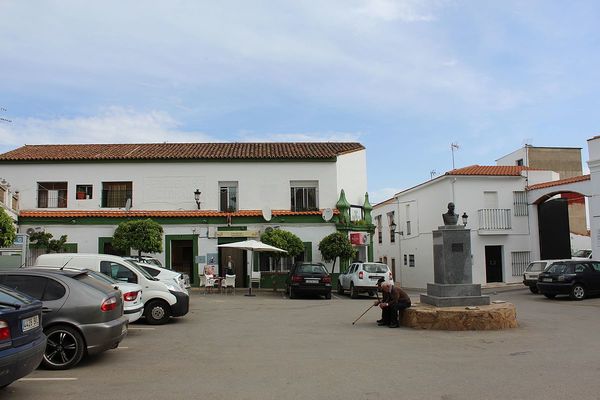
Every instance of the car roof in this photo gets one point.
(46, 271)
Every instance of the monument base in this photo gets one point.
(454, 295)
(490, 317)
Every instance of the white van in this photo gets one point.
(160, 301)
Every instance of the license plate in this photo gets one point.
(547, 279)
(30, 323)
(375, 277)
(309, 280)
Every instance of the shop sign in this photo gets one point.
(237, 234)
(359, 238)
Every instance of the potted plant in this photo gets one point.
(80, 195)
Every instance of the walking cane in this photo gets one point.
(373, 305)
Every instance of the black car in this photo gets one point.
(22, 341)
(576, 278)
(80, 314)
(308, 278)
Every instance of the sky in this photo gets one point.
(406, 78)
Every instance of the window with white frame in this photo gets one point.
(520, 261)
(408, 227)
(379, 233)
(304, 195)
(2, 194)
(411, 260)
(228, 196)
(52, 194)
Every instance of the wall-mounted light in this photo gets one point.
(393, 229)
(197, 197)
(465, 217)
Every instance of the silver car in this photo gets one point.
(80, 314)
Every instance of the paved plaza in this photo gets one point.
(270, 347)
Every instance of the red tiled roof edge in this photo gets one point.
(490, 170)
(565, 181)
(157, 213)
(182, 151)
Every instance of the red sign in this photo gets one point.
(357, 238)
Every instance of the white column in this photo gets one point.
(594, 200)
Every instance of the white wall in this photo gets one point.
(352, 176)
(511, 159)
(170, 186)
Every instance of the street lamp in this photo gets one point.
(197, 197)
(393, 228)
(464, 218)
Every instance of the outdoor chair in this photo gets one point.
(229, 282)
(255, 278)
(209, 283)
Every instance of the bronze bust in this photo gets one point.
(450, 218)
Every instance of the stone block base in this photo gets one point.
(488, 317)
(457, 301)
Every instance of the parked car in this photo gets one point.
(133, 305)
(165, 275)
(362, 277)
(80, 314)
(532, 272)
(161, 301)
(145, 260)
(22, 341)
(308, 278)
(584, 254)
(575, 278)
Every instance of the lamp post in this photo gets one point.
(197, 197)
(464, 218)
(393, 227)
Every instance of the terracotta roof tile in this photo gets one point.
(179, 151)
(490, 170)
(565, 181)
(156, 213)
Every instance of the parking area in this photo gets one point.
(271, 347)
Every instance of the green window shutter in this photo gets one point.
(307, 251)
(70, 247)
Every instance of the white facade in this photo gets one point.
(489, 202)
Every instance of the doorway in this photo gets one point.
(238, 258)
(182, 257)
(493, 263)
(555, 240)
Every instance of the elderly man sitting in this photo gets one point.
(393, 302)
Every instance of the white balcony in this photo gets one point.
(494, 221)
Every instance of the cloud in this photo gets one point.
(113, 125)
(391, 10)
(301, 137)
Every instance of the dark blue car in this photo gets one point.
(22, 342)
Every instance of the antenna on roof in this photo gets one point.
(4, 119)
(432, 173)
(452, 147)
(65, 264)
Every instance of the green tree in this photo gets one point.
(141, 235)
(43, 240)
(284, 240)
(8, 233)
(334, 246)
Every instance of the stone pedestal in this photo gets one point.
(452, 267)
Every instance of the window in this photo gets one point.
(151, 271)
(379, 233)
(519, 162)
(83, 192)
(490, 200)
(385, 260)
(390, 223)
(15, 202)
(408, 228)
(405, 260)
(596, 266)
(52, 194)
(411, 260)
(304, 195)
(54, 290)
(117, 272)
(520, 204)
(228, 196)
(116, 194)
(2, 194)
(520, 261)
(28, 284)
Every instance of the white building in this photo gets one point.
(495, 201)
(203, 194)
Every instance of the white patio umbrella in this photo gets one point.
(252, 246)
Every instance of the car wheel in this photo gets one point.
(353, 291)
(340, 288)
(64, 348)
(328, 296)
(292, 293)
(157, 312)
(534, 289)
(549, 296)
(578, 292)
(371, 293)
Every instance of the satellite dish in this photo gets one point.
(30, 231)
(128, 204)
(268, 229)
(327, 214)
(266, 213)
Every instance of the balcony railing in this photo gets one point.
(494, 219)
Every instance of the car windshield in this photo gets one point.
(311, 269)
(536, 267)
(141, 270)
(561, 269)
(582, 253)
(375, 268)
